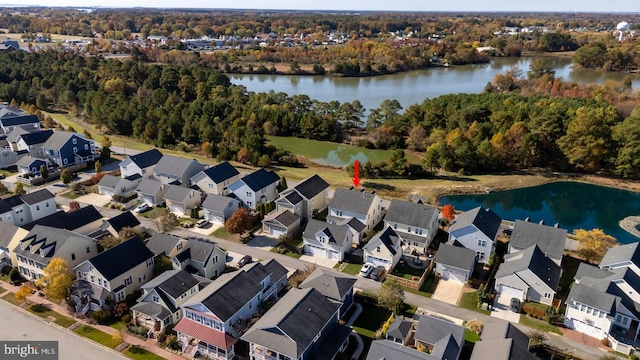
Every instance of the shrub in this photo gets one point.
(120, 309)
(172, 342)
(39, 308)
(101, 316)
(136, 349)
(126, 318)
(117, 337)
(138, 330)
(14, 275)
(475, 326)
(6, 270)
(162, 337)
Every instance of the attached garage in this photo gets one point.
(315, 250)
(285, 223)
(505, 290)
(585, 328)
(277, 231)
(377, 261)
(459, 276)
(176, 209)
(147, 200)
(215, 218)
(105, 191)
(334, 255)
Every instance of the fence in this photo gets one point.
(413, 284)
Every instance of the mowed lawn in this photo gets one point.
(44, 312)
(141, 354)
(97, 336)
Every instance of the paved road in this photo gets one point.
(19, 326)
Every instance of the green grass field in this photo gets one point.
(60, 319)
(353, 269)
(10, 297)
(141, 354)
(97, 336)
(469, 300)
(538, 324)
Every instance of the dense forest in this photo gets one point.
(518, 122)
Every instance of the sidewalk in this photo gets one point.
(149, 345)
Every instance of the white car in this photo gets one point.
(366, 269)
(141, 208)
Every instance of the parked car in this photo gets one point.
(379, 273)
(141, 208)
(515, 305)
(244, 261)
(202, 223)
(507, 231)
(366, 270)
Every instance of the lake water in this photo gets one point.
(413, 86)
(572, 205)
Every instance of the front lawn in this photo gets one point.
(349, 268)
(118, 325)
(154, 212)
(538, 324)
(141, 354)
(10, 297)
(222, 233)
(45, 312)
(370, 320)
(279, 250)
(96, 335)
(469, 300)
(71, 195)
(2, 290)
(428, 288)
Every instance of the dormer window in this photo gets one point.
(378, 249)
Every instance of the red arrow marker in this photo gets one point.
(356, 168)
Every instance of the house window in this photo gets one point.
(480, 255)
(75, 149)
(155, 299)
(46, 205)
(127, 281)
(149, 262)
(93, 279)
(86, 146)
(395, 226)
(210, 186)
(65, 161)
(408, 228)
(179, 246)
(415, 243)
(419, 231)
(74, 141)
(73, 257)
(37, 207)
(88, 249)
(378, 249)
(547, 296)
(482, 243)
(248, 193)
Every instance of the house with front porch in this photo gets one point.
(333, 285)
(215, 318)
(141, 164)
(159, 305)
(603, 302)
(116, 272)
(327, 240)
(67, 148)
(302, 325)
(259, 187)
(477, 230)
(348, 204)
(172, 169)
(417, 223)
(216, 179)
(384, 249)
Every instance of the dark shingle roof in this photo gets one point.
(173, 282)
(121, 258)
(147, 158)
(36, 137)
(293, 197)
(400, 328)
(388, 350)
(549, 239)
(69, 221)
(259, 179)
(431, 330)
(621, 253)
(534, 259)
(456, 256)
(484, 219)
(311, 186)
(162, 243)
(413, 214)
(329, 283)
(353, 201)
(19, 120)
(389, 239)
(287, 218)
(126, 219)
(221, 172)
(336, 233)
(37, 196)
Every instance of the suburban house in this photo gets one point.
(124, 220)
(66, 148)
(416, 223)
(442, 338)
(327, 240)
(116, 272)
(302, 325)
(218, 208)
(281, 224)
(528, 275)
(151, 192)
(166, 245)
(259, 187)
(550, 240)
(181, 200)
(455, 262)
(141, 164)
(7, 158)
(10, 236)
(215, 317)
(43, 243)
(348, 204)
(111, 185)
(19, 120)
(604, 302)
(202, 257)
(28, 141)
(85, 220)
(387, 349)
(216, 179)
(502, 340)
(384, 249)
(23, 209)
(170, 169)
(333, 285)
(161, 299)
(476, 229)
(400, 330)
(309, 196)
(29, 164)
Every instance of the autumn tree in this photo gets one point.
(3, 189)
(98, 167)
(66, 176)
(56, 280)
(239, 221)
(166, 222)
(206, 148)
(593, 244)
(73, 206)
(448, 212)
(22, 293)
(162, 264)
(109, 241)
(391, 295)
(19, 189)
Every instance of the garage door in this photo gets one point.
(276, 231)
(454, 275)
(315, 250)
(147, 200)
(377, 261)
(504, 290)
(334, 255)
(586, 328)
(215, 218)
(176, 209)
(106, 191)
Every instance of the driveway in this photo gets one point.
(206, 230)
(96, 200)
(448, 291)
(501, 309)
(319, 261)
(263, 242)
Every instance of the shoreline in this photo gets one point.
(630, 224)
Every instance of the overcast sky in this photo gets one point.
(400, 5)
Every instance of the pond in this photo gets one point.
(573, 205)
(332, 154)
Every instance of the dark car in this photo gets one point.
(515, 305)
(378, 273)
(507, 231)
(244, 261)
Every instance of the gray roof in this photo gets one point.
(109, 181)
(456, 256)
(589, 271)
(498, 330)
(162, 243)
(353, 201)
(179, 193)
(173, 282)
(532, 258)
(15, 134)
(287, 218)
(47, 240)
(484, 219)
(388, 350)
(173, 165)
(28, 160)
(149, 186)
(312, 186)
(7, 231)
(432, 330)
(58, 139)
(292, 324)
(200, 250)
(593, 297)
(389, 239)
(217, 202)
(335, 233)
(37, 196)
(549, 239)
(154, 310)
(413, 214)
(621, 253)
(400, 328)
(329, 283)
(293, 197)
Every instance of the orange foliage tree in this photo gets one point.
(448, 212)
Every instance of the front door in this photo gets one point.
(633, 329)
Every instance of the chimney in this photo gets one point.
(362, 190)
(351, 188)
(373, 192)
(556, 225)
